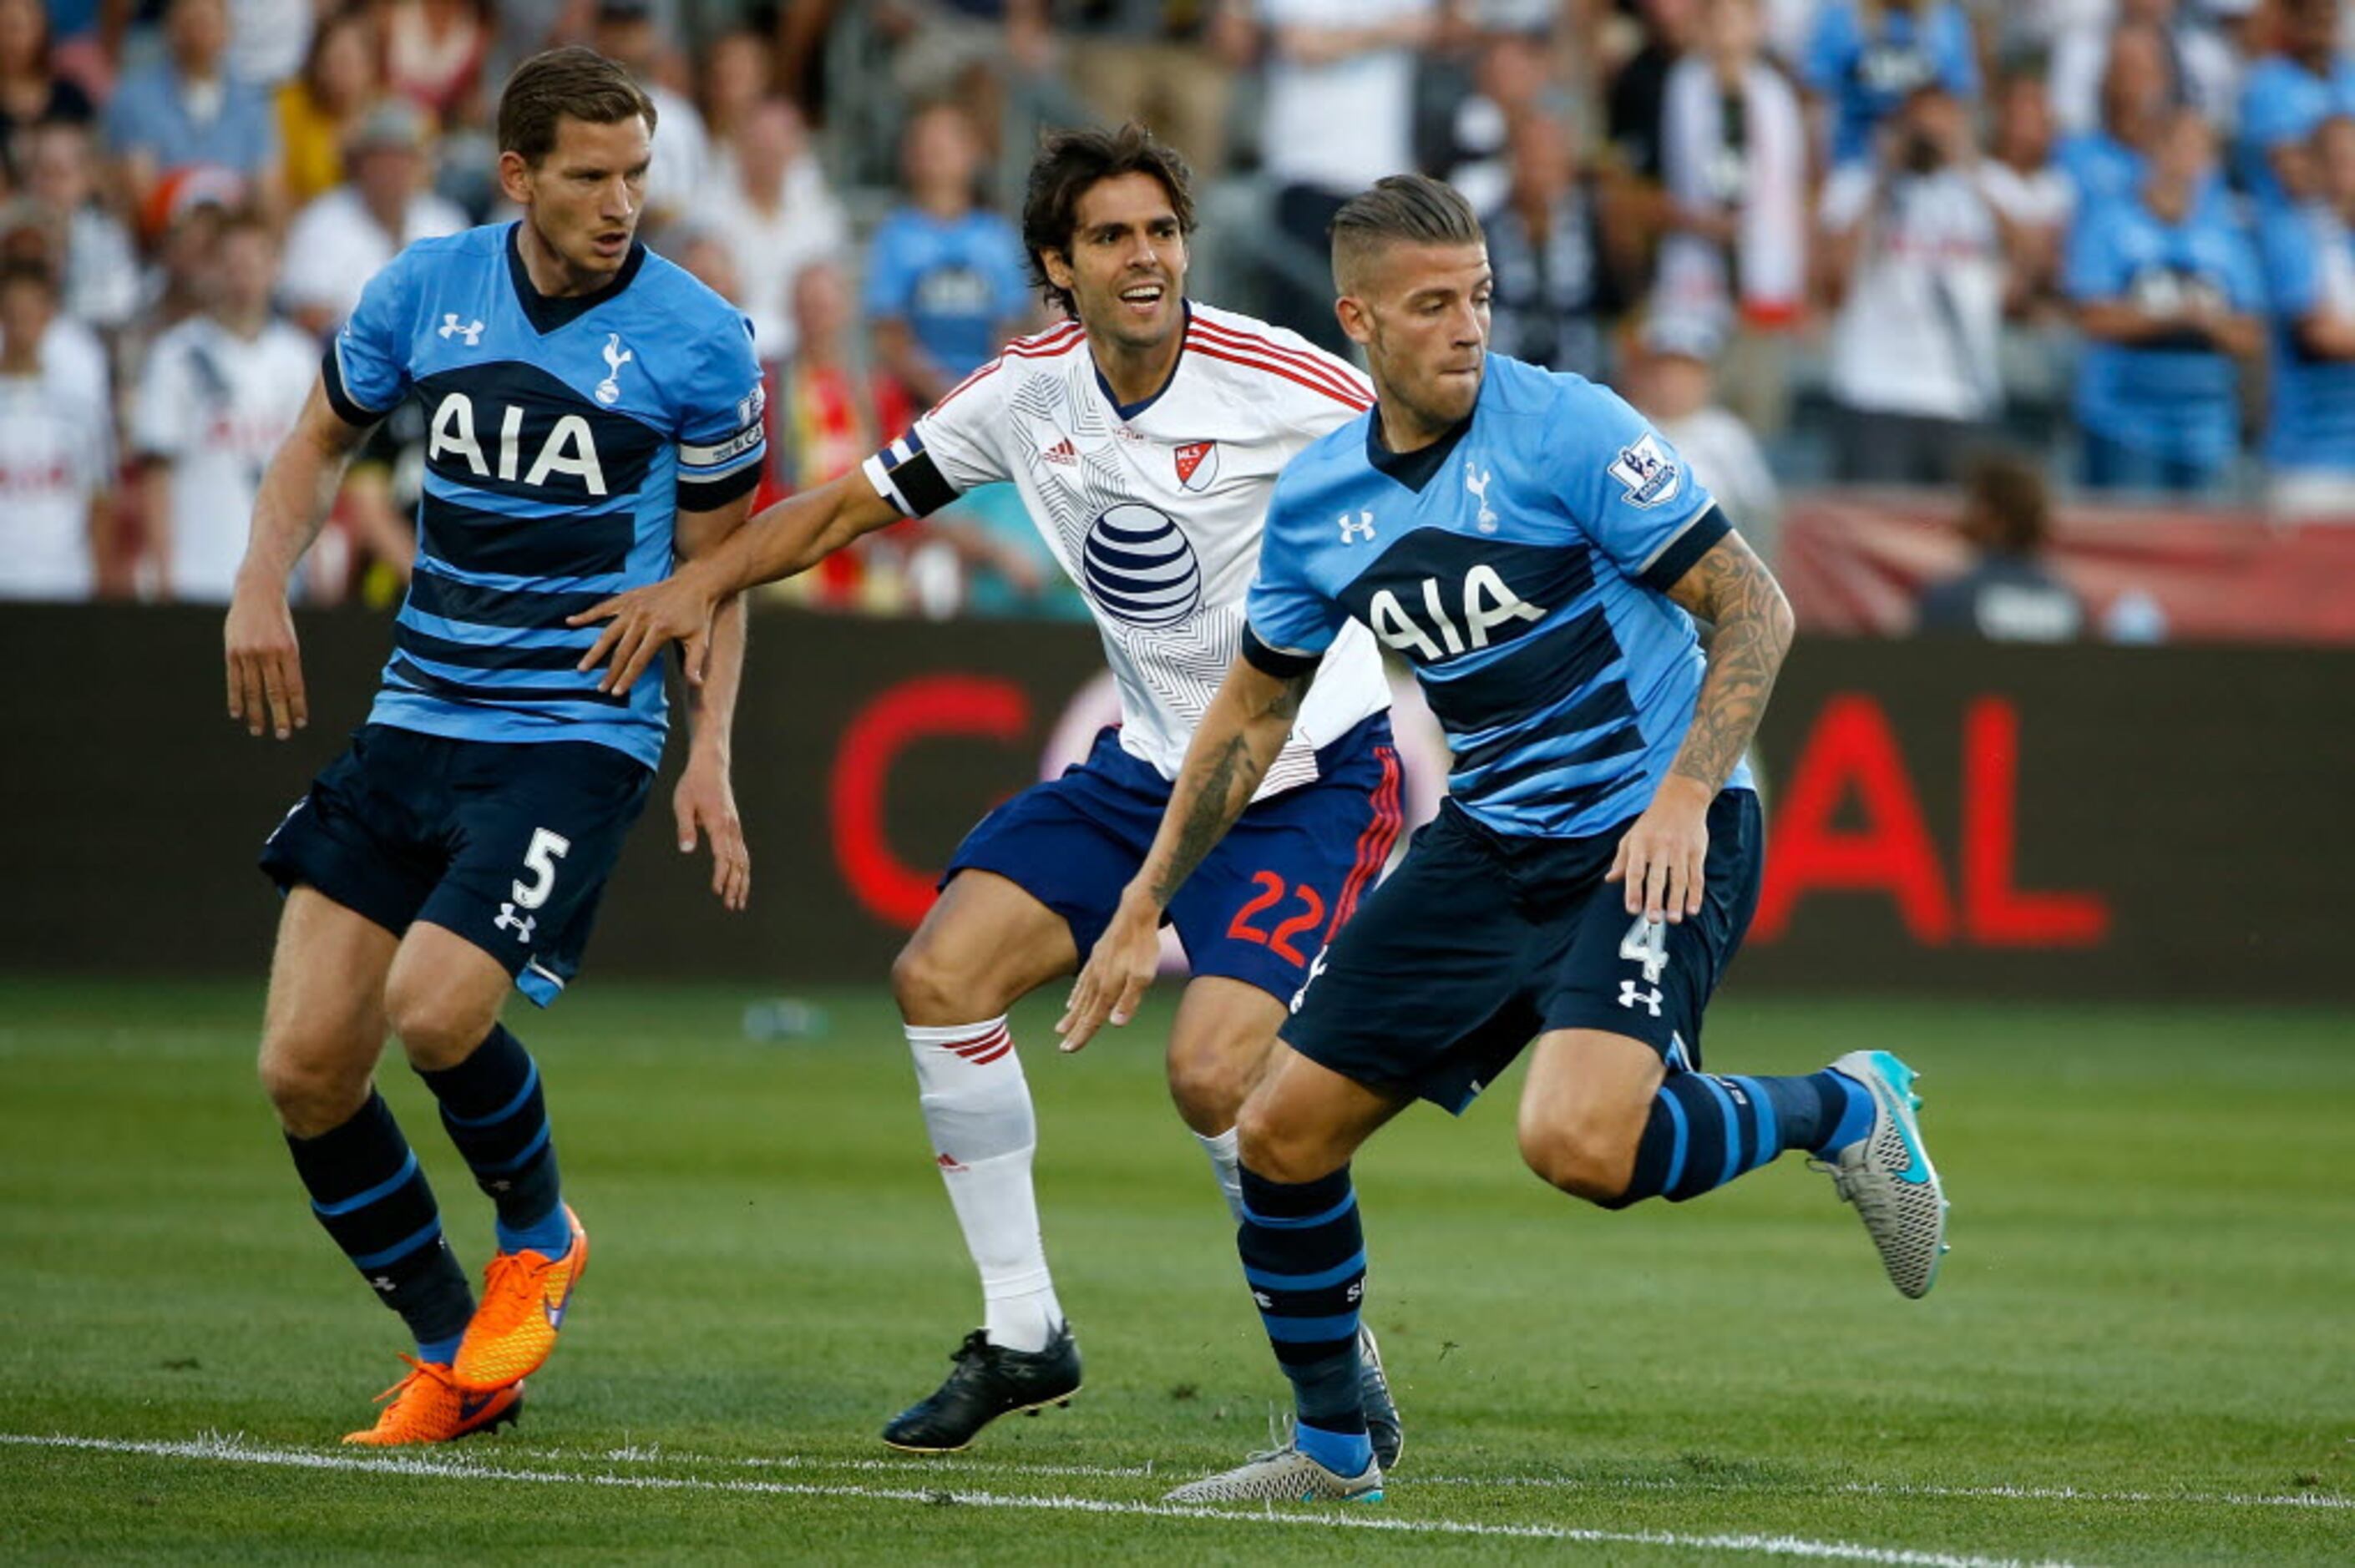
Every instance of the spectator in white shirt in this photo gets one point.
(1673, 383)
(344, 239)
(2207, 74)
(1912, 258)
(628, 31)
(53, 480)
(101, 267)
(776, 219)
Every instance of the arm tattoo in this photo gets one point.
(1732, 588)
(1225, 786)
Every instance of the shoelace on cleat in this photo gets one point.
(511, 1288)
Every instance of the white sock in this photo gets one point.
(977, 1112)
(1228, 1167)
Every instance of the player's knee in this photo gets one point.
(1210, 1085)
(932, 990)
(312, 1091)
(1271, 1147)
(436, 1028)
(1579, 1162)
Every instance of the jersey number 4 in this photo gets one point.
(1278, 942)
(1647, 943)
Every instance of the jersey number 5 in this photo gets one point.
(540, 858)
(1278, 942)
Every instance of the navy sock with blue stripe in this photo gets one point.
(1706, 1128)
(1304, 1255)
(367, 1191)
(494, 1111)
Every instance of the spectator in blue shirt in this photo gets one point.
(2140, 90)
(189, 109)
(2309, 260)
(2284, 96)
(945, 280)
(2167, 289)
(1866, 57)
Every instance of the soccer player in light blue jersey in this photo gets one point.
(593, 412)
(1539, 555)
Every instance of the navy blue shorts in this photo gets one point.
(507, 845)
(1261, 904)
(1480, 942)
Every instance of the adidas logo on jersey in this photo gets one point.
(1062, 452)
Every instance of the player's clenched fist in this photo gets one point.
(265, 664)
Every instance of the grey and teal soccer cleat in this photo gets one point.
(1888, 1176)
(1381, 1408)
(1283, 1474)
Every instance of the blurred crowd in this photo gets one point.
(1816, 240)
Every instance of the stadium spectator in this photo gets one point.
(2308, 253)
(738, 75)
(100, 266)
(1734, 152)
(433, 54)
(1867, 57)
(1674, 385)
(1633, 103)
(221, 390)
(627, 32)
(53, 480)
(73, 357)
(1337, 114)
(338, 242)
(31, 90)
(2032, 196)
(2285, 95)
(190, 111)
(2166, 289)
(776, 217)
(2208, 73)
(269, 40)
(944, 283)
(1511, 76)
(2107, 162)
(1911, 256)
(1558, 261)
(1169, 64)
(2009, 594)
(319, 109)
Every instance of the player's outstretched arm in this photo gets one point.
(265, 663)
(1232, 749)
(788, 538)
(1661, 858)
(704, 804)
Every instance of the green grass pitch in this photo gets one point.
(2142, 1349)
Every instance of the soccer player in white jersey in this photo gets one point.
(1145, 435)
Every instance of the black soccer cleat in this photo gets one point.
(989, 1382)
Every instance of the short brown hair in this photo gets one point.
(1071, 163)
(1413, 209)
(572, 80)
(2007, 506)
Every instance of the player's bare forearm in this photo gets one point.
(1239, 738)
(797, 533)
(298, 490)
(1731, 588)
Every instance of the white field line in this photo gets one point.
(960, 1466)
(232, 1450)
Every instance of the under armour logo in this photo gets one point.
(1362, 528)
(520, 925)
(1266, 1302)
(609, 389)
(471, 330)
(1487, 520)
(503, 1185)
(1629, 996)
(384, 1283)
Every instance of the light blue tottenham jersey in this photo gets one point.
(564, 437)
(1521, 565)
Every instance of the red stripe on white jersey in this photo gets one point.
(1353, 400)
(1308, 362)
(1374, 843)
(950, 395)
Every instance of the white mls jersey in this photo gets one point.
(216, 406)
(1155, 509)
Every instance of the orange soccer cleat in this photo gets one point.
(428, 1406)
(524, 1297)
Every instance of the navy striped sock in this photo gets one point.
(493, 1109)
(1706, 1128)
(1304, 1255)
(367, 1191)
